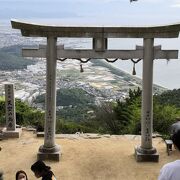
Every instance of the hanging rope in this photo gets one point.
(85, 61)
(79, 59)
(135, 61)
(110, 61)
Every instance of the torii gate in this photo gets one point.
(100, 35)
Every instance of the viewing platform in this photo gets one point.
(106, 157)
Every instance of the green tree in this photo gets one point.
(106, 118)
(170, 97)
(120, 117)
(164, 116)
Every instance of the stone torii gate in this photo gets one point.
(100, 35)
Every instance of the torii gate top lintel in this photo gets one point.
(37, 30)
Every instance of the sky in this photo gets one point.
(120, 12)
(106, 13)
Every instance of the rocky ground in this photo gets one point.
(84, 157)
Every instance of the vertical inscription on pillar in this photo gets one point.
(49, 88)
(10, 107)
(147, 122)
(49, 121)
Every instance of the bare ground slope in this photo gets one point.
(84, 159)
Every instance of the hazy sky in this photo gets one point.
(94, 11)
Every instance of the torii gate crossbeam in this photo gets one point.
(144, 152)
(120, 54)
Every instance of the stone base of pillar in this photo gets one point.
(12, 134)
(146, 155)
(46, 153)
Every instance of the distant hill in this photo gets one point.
(11, 59)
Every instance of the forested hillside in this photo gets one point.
(67, 97)
(11, 59)
(73, 103)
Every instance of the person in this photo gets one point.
(171, 171)
(41, 170)
(1, 175)
(175, 127)
(21, 175)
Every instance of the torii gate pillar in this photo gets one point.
(50, 150)
(146, 152)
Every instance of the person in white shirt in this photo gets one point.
(171, 171)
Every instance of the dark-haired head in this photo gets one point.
(176, 139)
(39, 168)
(21, 175)
(1, 175)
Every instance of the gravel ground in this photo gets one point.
(84, 157)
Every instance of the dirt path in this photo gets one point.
(84, 159)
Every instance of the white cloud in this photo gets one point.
(176, 4)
